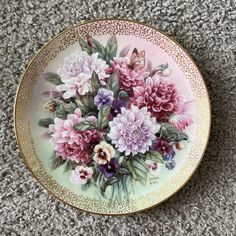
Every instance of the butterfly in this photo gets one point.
(137, 60)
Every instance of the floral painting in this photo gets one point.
(113, 119)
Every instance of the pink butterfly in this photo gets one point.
(137, 60)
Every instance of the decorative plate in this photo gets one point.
(112, 116)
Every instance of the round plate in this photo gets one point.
(112, 116)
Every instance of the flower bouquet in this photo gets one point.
(113, 120)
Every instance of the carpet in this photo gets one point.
(206, 205)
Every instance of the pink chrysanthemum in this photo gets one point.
(70, 143)
(159, 96)
(133, 130)
(76, 73)
(128, 77)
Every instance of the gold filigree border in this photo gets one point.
(100, 27)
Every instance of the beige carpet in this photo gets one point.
(206, 205)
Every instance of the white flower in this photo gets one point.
(103, 153)
(76, 73)
(153, 167)
(81, 175)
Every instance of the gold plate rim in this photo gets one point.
(84, 22)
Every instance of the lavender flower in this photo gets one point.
(103, 97)
(110, 168)
(133, 130)
(76, 73)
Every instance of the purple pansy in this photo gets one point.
(117, 104)
(103, 97)
(110, 168)
(163, 147)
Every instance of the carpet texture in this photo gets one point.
(206, 205)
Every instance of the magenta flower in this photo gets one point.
(70, 143)
(163, 147)
(181, 120)
(160, 97)
(110, 168)
(103, 97)
(128, 77)
(81, 175)
(133, 130)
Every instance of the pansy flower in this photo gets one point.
(169, 161)
(104, 97)
(103, 153)
(109, 169)
(81, 175)
(153, 167)
(163, 147)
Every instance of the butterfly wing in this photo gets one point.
(137, 60)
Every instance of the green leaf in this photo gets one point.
(138, 169)
(96, 174)
(60, 112)
(139, 163)
(125, 51)
(95, 82)
(171, 134)
(154, 156)
(69, 107)
(113, 83)
(123, 171)
(123, 95)
(103, 117)
(86, 186)
(52, 78)
(111, 181)
(45, 122)
(83, 107)
(85, 103)
(149, 66)
(70, 165)
(124, 182)
(143, 156)
(84, 46)
(57, 162)
(84, 125)
(98, 47)
(121, 158)
(111, 48)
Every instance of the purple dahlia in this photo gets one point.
(133, 130)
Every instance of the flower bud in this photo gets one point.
(180, 145)
(50, 106)
(166, 72)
